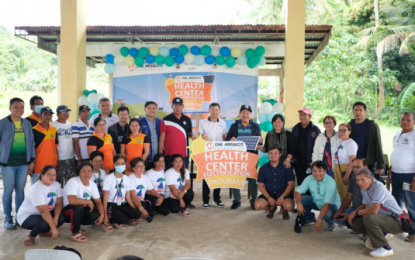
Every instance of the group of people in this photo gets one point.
(111, 170)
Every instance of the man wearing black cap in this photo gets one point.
(245, 127)
(81, 131)
(65, 148)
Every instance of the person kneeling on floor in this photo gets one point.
(276, 183)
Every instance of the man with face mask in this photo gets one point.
(36, 104)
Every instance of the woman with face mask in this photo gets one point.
(118, 205)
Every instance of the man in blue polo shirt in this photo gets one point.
(324, 197)
(276, 183)
(151, 127)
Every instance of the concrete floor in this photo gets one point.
(218, 233)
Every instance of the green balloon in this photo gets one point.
(251, 64)
(205, 50)
(230, 61)
(169, 61)
(249, 53)
(266, 126)
(260, 51)
(124, 51)
(139, 61)
(159, 60)
(143, 51)
(220, 60)
(183, 50)
(256, 59)
(263, 160)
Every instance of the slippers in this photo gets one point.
(354, 233)
(107, 227)
(47, 234)
(134, 222)
(410, 238)
(79, 238)
(271, 212)
(185, 213)
(120, 226)
(29, 241)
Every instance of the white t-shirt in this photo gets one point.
(75, 187)
(38, 195)
(83, 132)
(174, 178)
(98, 178)
(141, 185)
(215, 130)
(157, 179)
(65, 148)
(403, 154)
(346, 148)
(110, 184)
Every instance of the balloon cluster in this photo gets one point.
(195, 55)
(269, 109)
(91, 99)
(263, 158)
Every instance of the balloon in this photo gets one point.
(261, 154)
(220, 60)
(236, 52)
(265, 108)
(230, 61)
(199, 60)
(215, 51)
(150, 59)
(129, 61)
(195, 50)
(205, 50)
(242, 60)
(262, 61)
(225, 51)
(263, 118)
(183, 50)
(119, 60)
(263, 160)
(159, 59)
(260, 51)
(209, 59)
(278, 108)
(164, 51)
(109, 68)
(109, 58)
(251, 63)
(96, 108)
(139, 61)
(100, 95)
(88, 92)
(256, 59)
(154, 50)
(93, 98)
(93, 113)
(189, 59)
(249, 52)
(174, 52)
(91, 106)
(124, 51)
(272, 101)
(266, 126)
(143, 51)
(271, 115)
(82, 100)
(179, 59)
(169, 61)
(133, 52)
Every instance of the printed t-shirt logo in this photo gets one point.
(139, 141)
(179, 180)
(406, 141)
(51, 203)
(86, 196)
(99, 180)
(51, 135)
(184, 122)
(160, 188)
(119, 192)
(140, 191)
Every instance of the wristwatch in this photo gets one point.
(282, 196)
(320, 218)
(288, 160)
(357, 211)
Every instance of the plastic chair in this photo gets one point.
(48, 254)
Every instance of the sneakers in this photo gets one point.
(381, 252)
(388, 236)
(9, 225)
(331, 227)
(205, 205)
(219, 204)
(236, 205)
(300, 221)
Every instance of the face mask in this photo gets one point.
(38, 108)
(120, 168)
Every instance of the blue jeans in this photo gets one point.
(348, 211)
(14, 178)
(309, 205)
(34, 178)
(401, 195)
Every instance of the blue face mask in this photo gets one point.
(38, 108)
(120, 168)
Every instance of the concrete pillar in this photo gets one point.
(72, 55)
(294, 60)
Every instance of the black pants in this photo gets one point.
(147, 206)
(167, 162)
(38, 225)
(79, 215)
(163, 209)
(122, 214)
(300, 168)
(174, 204)
(206, 193)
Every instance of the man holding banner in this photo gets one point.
(245, 127)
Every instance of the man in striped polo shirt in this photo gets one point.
(81, 131)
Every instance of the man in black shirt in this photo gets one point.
(120, 129)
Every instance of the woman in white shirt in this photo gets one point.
(178, 193)
(41, 209)
(343, 159)
(326, 144)
(98, 174)
(118, 205)
(158, 179)
(82, 203)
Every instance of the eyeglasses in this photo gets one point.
(343, 130)
(139, 167)
(328, 123)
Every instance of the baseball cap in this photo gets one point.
(62, 108)
(46, 110)
(247, 107)
(177, 101)
(83, 107)
(300, 221)
(305, 110)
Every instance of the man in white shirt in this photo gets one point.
(65, 148)
(106, 114)
(212, 129)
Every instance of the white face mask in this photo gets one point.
(38, 108)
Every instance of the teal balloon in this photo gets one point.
(220, 60)
(109, 68)
(199, 60)
(169, 61)
(143, 51)
(159, 59)
(266, 126)
(164, 51)
(139, 61)
(271, 115)
(260, 51)
(272, 101)
(96, 108)
(87, 92)
(205, 50)
(242, 60)
(263, 118)
(263, 160)
(261, 154)
(124, 51)
(230, 61)
(251, 63)
(262, 61)
(249, 53)
(183, 50)
(255, 58)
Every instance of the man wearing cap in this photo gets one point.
(105, 108)
(305, 134)
(46, 142)
(245, 127)
(81, 131)
(65, 148)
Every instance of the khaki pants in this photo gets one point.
(375, 225)
(341, 188)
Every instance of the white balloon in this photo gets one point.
(100, 95)
(215, 51)
(119, 60)
(189, 58)
(82, 100)
(93, 98)
(278, 107)
(266, 108)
